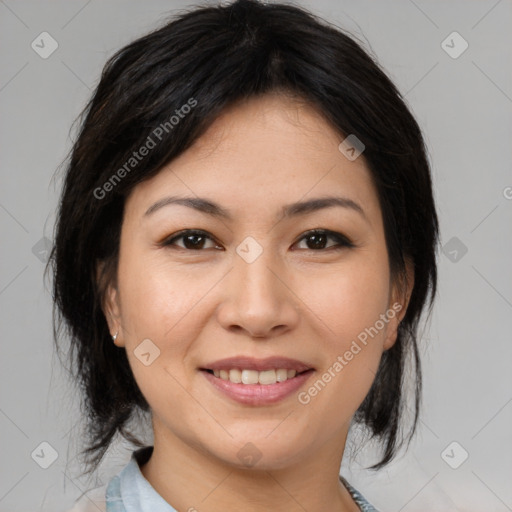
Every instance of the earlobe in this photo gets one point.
(399, 301)
(110, 305)
(113, 315)
(391, 334)
(402, 290)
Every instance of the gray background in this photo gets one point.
(464, 106)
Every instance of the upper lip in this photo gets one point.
(251, 363)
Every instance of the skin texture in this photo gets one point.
(294, 300)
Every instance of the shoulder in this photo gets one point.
(92, 501)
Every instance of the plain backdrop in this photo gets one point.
(463, 102)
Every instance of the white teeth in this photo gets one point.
(267, 377)
(250, 376)
(254, 377)
(281, 375)
(235, 376)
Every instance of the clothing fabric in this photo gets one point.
(129, 491)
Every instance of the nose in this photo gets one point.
(258, 299)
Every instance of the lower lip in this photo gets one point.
(258, 394)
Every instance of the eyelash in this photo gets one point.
(342, 241)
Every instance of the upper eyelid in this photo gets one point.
(340, 237)
(185, 232)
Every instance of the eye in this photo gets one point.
(192, 240)
(316, 239)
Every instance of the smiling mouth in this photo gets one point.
(253, 377)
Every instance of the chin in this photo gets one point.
(261, 453)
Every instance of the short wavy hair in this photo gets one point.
(219, 55)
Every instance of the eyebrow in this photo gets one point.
(291, 210)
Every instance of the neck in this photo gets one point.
(195, 481)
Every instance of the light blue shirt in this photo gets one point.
(129, 491)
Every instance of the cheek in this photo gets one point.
(349, 303)
(165, 305)
(156, 298)
(348, 300)
(160, 308)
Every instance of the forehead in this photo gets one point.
(260, 154)
(275, 123)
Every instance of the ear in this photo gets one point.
(401, 290)
(110, 302)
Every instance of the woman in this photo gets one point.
(245, 244)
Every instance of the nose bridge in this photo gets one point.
(256, 285)
(256, 281)
(257, 299)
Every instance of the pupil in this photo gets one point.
(193, 244)
(318, 240)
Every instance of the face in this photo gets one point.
(245, 276)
